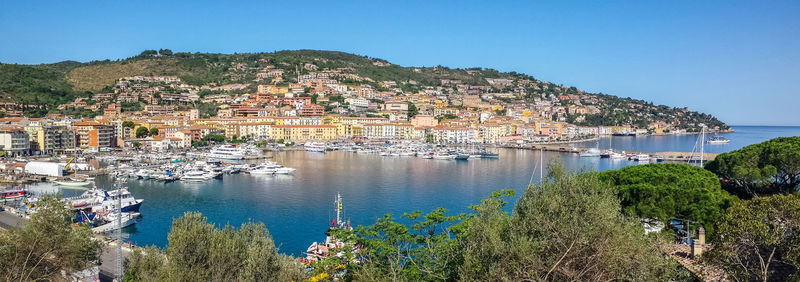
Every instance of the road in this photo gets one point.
(108, 259)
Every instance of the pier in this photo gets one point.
(568, 148)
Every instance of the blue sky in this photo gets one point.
(738, 60)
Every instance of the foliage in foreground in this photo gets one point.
(759, 239)
(47, 245)
(767, 168)
(665, 191)
(569, 228)
(198, 251)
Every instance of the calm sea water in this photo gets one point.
(297, 209)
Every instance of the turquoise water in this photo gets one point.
(297, 209)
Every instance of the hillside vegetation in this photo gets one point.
(53, 84)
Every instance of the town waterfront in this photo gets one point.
(297, 209)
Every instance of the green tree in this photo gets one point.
(47, 245)
(165, 52)
(412, 110)
(667, 191)
(128, 124)
(758, 236)
(198, 251)
(153, 131)
(770, 167)
(568, 229)
(142, 132)
(215, 138)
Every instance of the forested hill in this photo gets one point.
(54, 84)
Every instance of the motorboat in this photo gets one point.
(641, 158)
(195, 176)
(591, 152)
(97, 200)
(444, 157)
(111, 221)
(618, 156)
(717, 140)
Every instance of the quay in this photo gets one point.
(566, 148)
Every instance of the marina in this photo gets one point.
(375, 178)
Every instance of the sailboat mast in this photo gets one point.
(338, 208)
(541, 166)
(702, 144)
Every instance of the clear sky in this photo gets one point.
(737, 60)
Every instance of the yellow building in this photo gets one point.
(303, 132)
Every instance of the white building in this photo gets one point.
(15, 142)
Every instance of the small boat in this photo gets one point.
(642, 158)
(716, 140)
(73, 183)
(592, 152)
(444, 157)
(488, 155)
(624, 134)
(127, 219)
(618, 156)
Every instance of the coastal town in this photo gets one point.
(326, 105)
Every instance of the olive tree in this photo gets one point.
(47, 245)
(198, 251)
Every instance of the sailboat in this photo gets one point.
(320, 251)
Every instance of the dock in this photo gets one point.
(567, 148)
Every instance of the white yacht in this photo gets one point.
(128, 219)
(272, 168)
(227, 152)
(195, 175)
(592, 152)
(314, 146)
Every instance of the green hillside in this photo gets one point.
(53, 84)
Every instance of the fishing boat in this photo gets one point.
(315, 147)
(717, 140)
(226, 152)
(13, 193)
